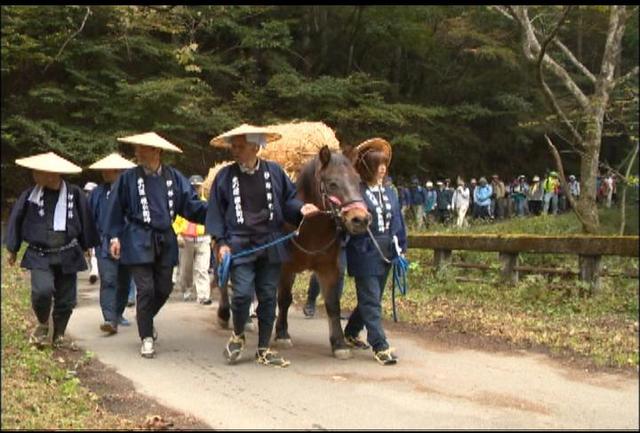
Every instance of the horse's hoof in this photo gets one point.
(283, 343)
(343, 353)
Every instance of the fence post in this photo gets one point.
(441, 258)
(590, 267)
(508, 272)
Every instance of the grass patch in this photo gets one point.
(536, 312)
(38, 391)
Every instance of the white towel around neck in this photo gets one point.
(60, 213)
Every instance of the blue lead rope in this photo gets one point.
(400, 266)
(225, 265)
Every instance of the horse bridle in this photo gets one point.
(335, 208)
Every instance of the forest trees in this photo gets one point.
(445, 85)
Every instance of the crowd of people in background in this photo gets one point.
(424, 203)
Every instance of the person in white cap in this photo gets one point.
(115, 278)
(195, 253)
(93, 261)
(460, 202)
(53, 218)
(574, 187)
(144, 202)
(535, 196)
(248, 204)
(430, 203)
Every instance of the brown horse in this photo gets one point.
(331, 183)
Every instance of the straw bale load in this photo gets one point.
(298, 143)
(208, 181)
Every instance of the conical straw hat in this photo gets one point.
(379, 144)
(150, 139)
(224, 140)
(112, 162)
(49, 162)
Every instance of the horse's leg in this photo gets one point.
(328, 279)
(224, 308)
(287, 278)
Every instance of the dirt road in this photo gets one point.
(432, 387)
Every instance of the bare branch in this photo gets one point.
(552, 35)
(76, 33)
(503, 10)
(563, 180)
(626, 76)
(575, 61)
(531, 46)
(614, 37)
(547, 91)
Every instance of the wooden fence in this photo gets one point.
(589, 249)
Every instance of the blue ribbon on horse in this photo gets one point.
(224, 267)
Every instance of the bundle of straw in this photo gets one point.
(300, 141)
(208, 181)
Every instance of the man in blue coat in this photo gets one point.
(418, 199)
(53, 218)
(144, 202)
(249, 202)
(115, 278)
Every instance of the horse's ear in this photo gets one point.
(325, 155)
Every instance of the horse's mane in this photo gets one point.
(307, 181)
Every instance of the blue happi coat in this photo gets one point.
(226, 225)
(363, 259)
(26, 224)
(98, 200)
(142, 223)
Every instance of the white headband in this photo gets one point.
(255, 138)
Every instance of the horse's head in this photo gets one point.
(339, 191)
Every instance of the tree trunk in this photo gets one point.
(587, 205)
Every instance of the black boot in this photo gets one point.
(60, 321)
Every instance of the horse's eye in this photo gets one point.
(332, 186)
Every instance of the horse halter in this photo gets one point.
(335, 209)
(335, 206)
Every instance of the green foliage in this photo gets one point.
(440, 82)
